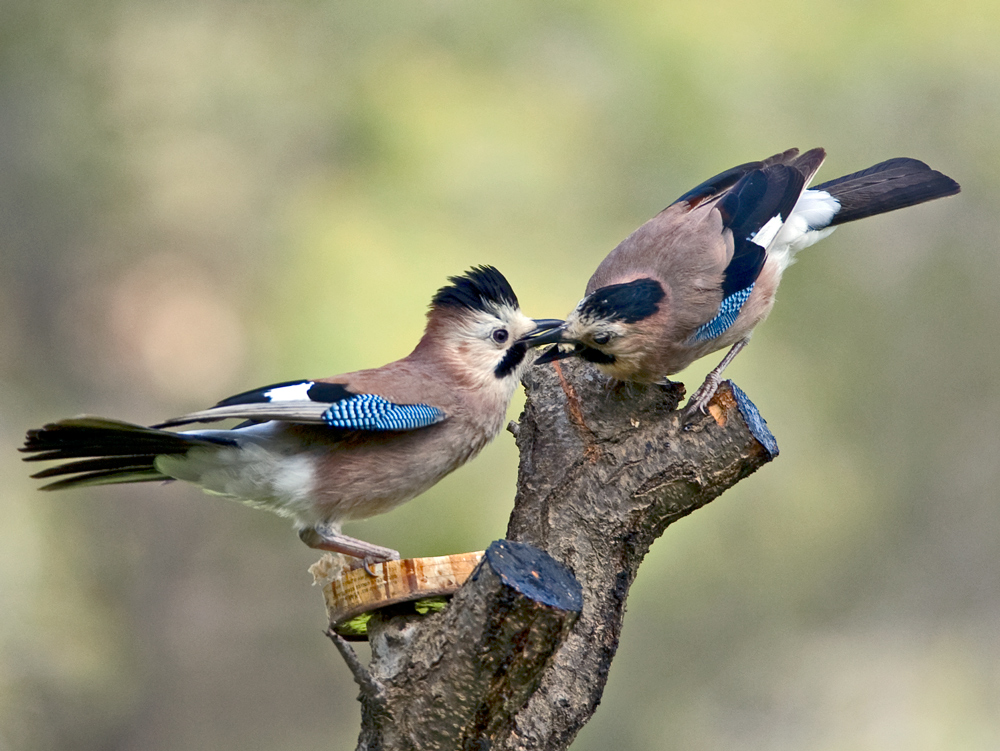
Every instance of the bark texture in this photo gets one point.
(604, 470)
(459, 684)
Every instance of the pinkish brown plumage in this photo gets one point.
(701, 274)
(328, 450)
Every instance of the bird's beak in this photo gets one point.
(551, 332)
(542, 325)
(554, 353)
(546, 331)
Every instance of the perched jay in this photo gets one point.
(701, 274)
(325, 451)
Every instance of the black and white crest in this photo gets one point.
(628, 302)
(481, 288)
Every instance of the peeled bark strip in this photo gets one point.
(604, 470)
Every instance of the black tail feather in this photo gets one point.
(121, 451)
(98, 436)
(106, 478)
(890, 185)
(103, 464)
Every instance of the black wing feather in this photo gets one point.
(101, 464)
(724, 180)
(754, 201)
(108, 478)
(317, 392)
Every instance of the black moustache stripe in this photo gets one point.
(596, 356)
(513, 358)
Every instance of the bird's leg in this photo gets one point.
(328, 539)
(699, 399)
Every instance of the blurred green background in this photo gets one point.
(197, 198)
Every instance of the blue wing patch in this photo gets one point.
(371, 412)
(729, 311)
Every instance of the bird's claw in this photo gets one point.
(370, 560)
(698, 403)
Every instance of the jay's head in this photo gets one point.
(477, 319)
(608, 327)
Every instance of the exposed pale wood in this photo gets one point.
(349, 590)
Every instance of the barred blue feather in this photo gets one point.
(729, 310)
(371, 412)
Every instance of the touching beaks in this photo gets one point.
(546, 331)
(542, 325)
(555, 352)
(551, 332)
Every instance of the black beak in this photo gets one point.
(551, 332)
(547, 331)
(543, 324)
(554, 353)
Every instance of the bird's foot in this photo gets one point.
(328, 539)
(368, 561)
(698, 403)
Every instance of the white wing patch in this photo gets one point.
(767, 233)
(807, 224)
(297, 392)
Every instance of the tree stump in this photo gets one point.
(605, 468)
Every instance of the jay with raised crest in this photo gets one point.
(334, 449)
(701, 274)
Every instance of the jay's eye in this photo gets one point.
(603, 338)
(500, 336)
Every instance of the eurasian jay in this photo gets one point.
(326, 451)
(701, 274)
